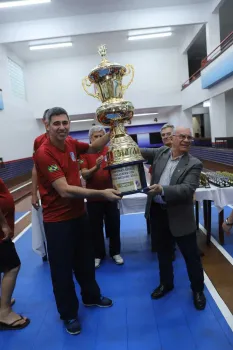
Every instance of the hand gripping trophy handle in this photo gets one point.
(86, 84)
(130, 70)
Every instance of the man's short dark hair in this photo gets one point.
(45, 115)
(55, 111)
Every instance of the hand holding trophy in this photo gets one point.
(124, 158)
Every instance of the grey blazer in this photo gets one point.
(179, 194)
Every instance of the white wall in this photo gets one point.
(229, 113)
(18, 127)
(178, 117)
(58, 82)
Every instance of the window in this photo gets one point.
(134, 137)
(155, 138)
(17, 79)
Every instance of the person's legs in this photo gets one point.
(189, 250)
(61, 247)
(96, 217)
(10, 266)
(112, 227)
(84, 265)
(164, 243)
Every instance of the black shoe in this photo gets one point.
(160, 291)
(73, 326)
(101, 302)
(199, 300)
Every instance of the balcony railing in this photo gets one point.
(224, 45)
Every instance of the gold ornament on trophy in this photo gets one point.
(124, 158)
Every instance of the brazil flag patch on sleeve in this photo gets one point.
(52, 168)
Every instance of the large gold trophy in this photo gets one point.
(124, 158)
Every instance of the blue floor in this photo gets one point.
(135, 322)
(18, 215)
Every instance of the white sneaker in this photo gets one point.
(118, 259)
(97, 263)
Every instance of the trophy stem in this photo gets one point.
(118, 130)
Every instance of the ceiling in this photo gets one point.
(87, 45)
(65, 8)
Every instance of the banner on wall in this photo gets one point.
(1, 101)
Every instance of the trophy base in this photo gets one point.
(128, 178)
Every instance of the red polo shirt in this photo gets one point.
(52, 164)
(39, 141)
(101, 179)
(7, 207)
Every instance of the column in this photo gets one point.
(218, 118)
(213, 32)
(186, 118)
(229, 113)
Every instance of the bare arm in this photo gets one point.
(87, 173)
(35, 199)
(4, 226)
(68, 191)
(228, 224)
(99, 144)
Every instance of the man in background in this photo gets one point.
(99, 210)
(37, 143)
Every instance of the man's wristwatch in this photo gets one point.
(228, 223)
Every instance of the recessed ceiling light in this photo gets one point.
(50, 46)
(141, 115)
(81, 120)
(149, 36)
(22, 3)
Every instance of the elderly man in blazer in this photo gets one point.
(175, 177)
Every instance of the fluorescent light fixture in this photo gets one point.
(50, 46)
(141, 115)
(9, 4)
(149, 31)
(206, 103)
(81, 120)
(149, 36)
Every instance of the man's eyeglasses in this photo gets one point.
(183, 137)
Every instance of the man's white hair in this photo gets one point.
(165, 126)
(96, 128)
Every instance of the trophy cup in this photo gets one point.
(124, 159)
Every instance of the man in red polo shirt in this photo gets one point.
(100, 210)
(9, 263)
(65, 221)
(37, 143)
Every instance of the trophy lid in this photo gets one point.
(105, 67)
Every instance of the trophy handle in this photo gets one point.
(86, 84)
(130, 70)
